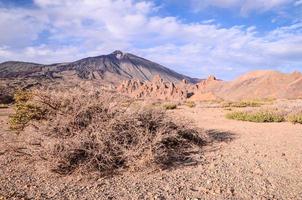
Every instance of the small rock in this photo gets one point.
(194, 189)
(231, 191)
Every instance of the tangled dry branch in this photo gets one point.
(100, 131)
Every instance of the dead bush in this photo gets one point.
(85, 131)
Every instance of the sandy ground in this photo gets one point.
(247, 161)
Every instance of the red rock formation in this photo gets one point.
(203, 90)
(155, 89)
(158, 89)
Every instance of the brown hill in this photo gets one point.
(259, 85)
(264, 84)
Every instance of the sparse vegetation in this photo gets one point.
(295, 118)
(242, 104)
(25, 111)
(92, 131)
(190, 104)
(228, 108)
(260, 116)
(170, 106)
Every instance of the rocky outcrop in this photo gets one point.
(159, 89)
(203, 91)
(155, 89)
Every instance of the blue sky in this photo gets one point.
(195, 37)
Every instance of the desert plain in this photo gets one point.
(244, 160)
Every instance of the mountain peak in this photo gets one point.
(118, 54)
(112, 68)
(212, 78)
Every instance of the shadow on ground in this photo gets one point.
(220, 136)
(210, 141)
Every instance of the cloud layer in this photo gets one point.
(65, 30)
(245, 6)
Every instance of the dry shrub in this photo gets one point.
(98, 131)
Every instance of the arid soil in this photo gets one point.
(245, 161)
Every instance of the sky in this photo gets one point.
(225, 38)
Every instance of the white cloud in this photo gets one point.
(76, 29)
(219, 3)
(245, 6)
(251, 5)
(298, 3)
(18, 27)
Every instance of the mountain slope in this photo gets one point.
(118, 66)
(14, 69)
(113, 68)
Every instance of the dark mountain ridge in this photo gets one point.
(114, 67)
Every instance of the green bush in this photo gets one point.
(25, 111)
(170, 106)
(261, 116)
(296, 119)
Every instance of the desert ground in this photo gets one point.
(245, 160)
(151, 99)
